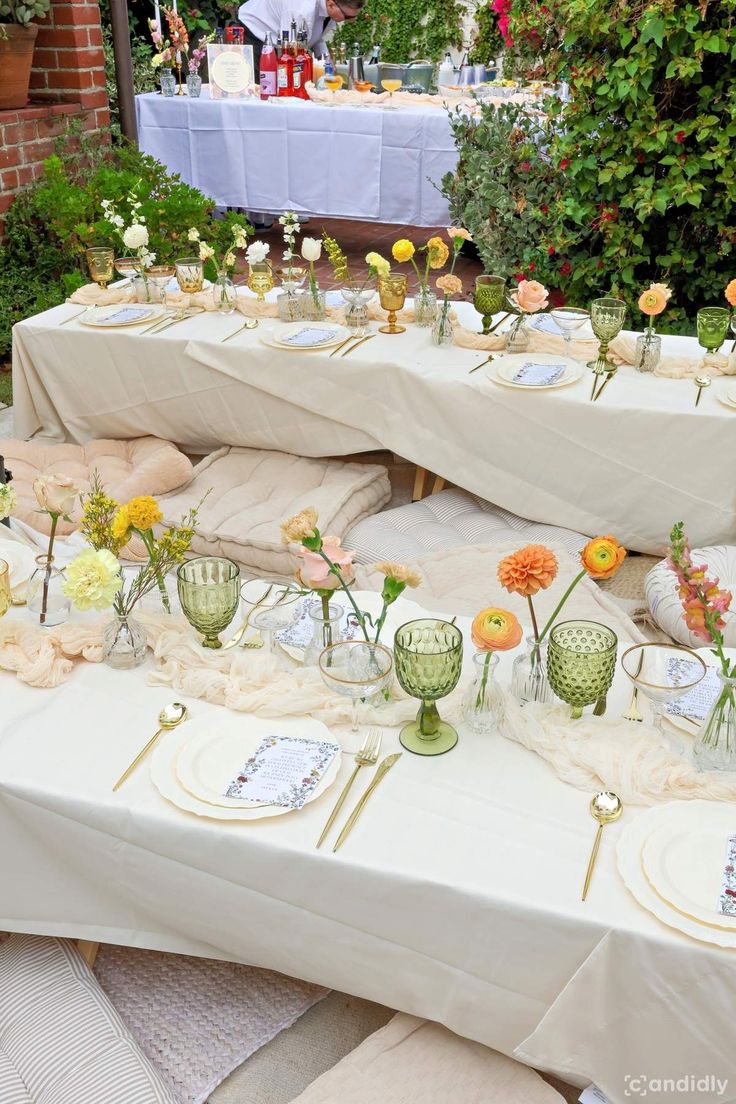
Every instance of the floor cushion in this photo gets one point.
(61, 1041)
(411, 1061)
(143, 466)
(447, 520)
(251, 491)
(665, 606)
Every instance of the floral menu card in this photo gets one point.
(299, 633)
(696, 703)
(284, 770)
(310, 336)
(127, 314)
(538, 375)
(727, 903)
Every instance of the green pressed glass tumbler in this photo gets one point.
(428, 656)
(489, 298)
(712, 323)
(581, 661)
(209, 592)
(607, 320)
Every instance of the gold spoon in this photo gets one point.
(605, 807)
(249, 324)
(700, 383)
(169, 717)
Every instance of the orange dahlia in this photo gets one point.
(602, 557)
(529, 570)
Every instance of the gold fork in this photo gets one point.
(632, 713)
(367, 755)
(368, 337)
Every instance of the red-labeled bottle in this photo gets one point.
(285, 70)
(304, 61)
(269, 70)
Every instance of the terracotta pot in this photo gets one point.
(16, 57)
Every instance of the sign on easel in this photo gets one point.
(231, 71)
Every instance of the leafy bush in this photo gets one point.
(411, 29)
(488, 42)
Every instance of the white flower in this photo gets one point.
(148, 259)
(8, 500)
(135, 236)
(117, 220)
(288, 255)
(240, 236)
(205, 251)
(229, 260)
(193, 234)
(92, 579)
(311, 249)
(257, 252)
(55, 494)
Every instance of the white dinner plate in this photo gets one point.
(629, 859)
(277, 337)
(728, 398)
(21, 561)
(104, 317)
(684, 863)
(250, 731)
(503, 369)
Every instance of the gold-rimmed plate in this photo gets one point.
(684, 861)
(305, 336)
(120, 315)
(504, 369)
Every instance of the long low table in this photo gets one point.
(346, 162)
(641, 458)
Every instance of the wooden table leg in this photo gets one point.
(419, 477)
(88, 949)
(439, 483)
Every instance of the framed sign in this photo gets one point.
(231, 71)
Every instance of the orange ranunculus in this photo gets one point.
(529, 570)
(653, 300)
(495, 630)
(602, 557)
(730, 293)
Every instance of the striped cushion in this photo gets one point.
(61, 1041)
(447, 520)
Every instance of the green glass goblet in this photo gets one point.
(712, 323)
(581, 661)
(209, 592)
(607, 320)
(428, 656)
(489, 297)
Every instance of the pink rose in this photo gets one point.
(315, 573)
(55, 493)
(532, 296)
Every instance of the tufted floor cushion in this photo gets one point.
(145, 465)
(663, 601)
(447, 520)
(252, 491)
(61, 1041)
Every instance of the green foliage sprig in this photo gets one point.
(488, 42)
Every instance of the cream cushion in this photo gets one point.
(411, 1061)
(252, 491)
(143, 466)
(663, 601)
(61, 1041)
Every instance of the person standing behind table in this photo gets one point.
(261, 17)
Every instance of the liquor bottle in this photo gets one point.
(343, 54)
(304, 61)
(297, 72)
(376, 55)
(268, 70)
(285, 70)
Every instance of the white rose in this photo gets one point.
(135, 236)
(193, 234)
(55, 493)
(205, 251)
(311, 249)
(257, 252)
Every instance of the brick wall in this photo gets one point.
(67, 81)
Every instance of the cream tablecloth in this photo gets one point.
(457, 898)
(633, 463)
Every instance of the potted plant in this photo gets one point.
(17, 40)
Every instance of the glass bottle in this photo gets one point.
(224, 293)
(194, 86)
(325, 630)
(268, 70)
(285, 71)
(123, 643)
(529, 674)
(45, 599)
(167, 81)
(425, 306)
(483, 701)
(715, 741)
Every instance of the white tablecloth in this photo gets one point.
(343, 162)
(457, 896)
(633, 463)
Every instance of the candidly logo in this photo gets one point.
(665, 1086)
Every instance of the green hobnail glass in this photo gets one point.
(428, 656)
(581, 660)
(607, 320)
(490, 292)
(209, 592)
(712, 323)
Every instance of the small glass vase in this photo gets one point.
(529, 674)
(442, 330)
(356, 312)
(47, 604)
(325, 631)
(648, 351)
(288, 306)
(313, 305)
(715, 741)
(194, 85)
(425, 307)
(123, 643)
(145, 290)
(483, 701)
(224, 295)
(167, 81)
(517, 339)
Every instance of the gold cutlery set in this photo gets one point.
(351, 347)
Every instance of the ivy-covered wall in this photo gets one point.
(406, 29)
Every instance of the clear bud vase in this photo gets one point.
(715, 741)
(194, 85)
(325, 631)
(224, 293)
(529, 674)
(45, 599)
(167, 81)
(648, 351)
(313, 304)
(442, 330)
(123, 643)
(483, 701)
(517, 340)
(425, 307)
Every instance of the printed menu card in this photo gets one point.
(284, 770)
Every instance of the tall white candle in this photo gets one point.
(157, 14)
(174, 7)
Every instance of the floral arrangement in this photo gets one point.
(449, 284)
(134, 237)
(530, 296)
(377, 265)
(235, 236)
(8, 500)
(652, 302)
(169, 50)
(326, 567)
(198, 54)
(436, 256)
(311, 252)
(493, 630)
(55, 495)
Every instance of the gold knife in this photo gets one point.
(172, 322)
(348, 339)
(158, 321)
(383, 768)
(368, 337)
(73, 316)
(605, 384)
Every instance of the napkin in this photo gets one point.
(532, 374)
(284, 770)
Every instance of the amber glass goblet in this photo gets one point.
(392, 292)
(101, 264)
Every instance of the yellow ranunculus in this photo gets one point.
(143, 512)
(92, 579)
(403, 250)
(121, 525)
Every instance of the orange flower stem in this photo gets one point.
(484, 682)
(560, 604)
(533, 616)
